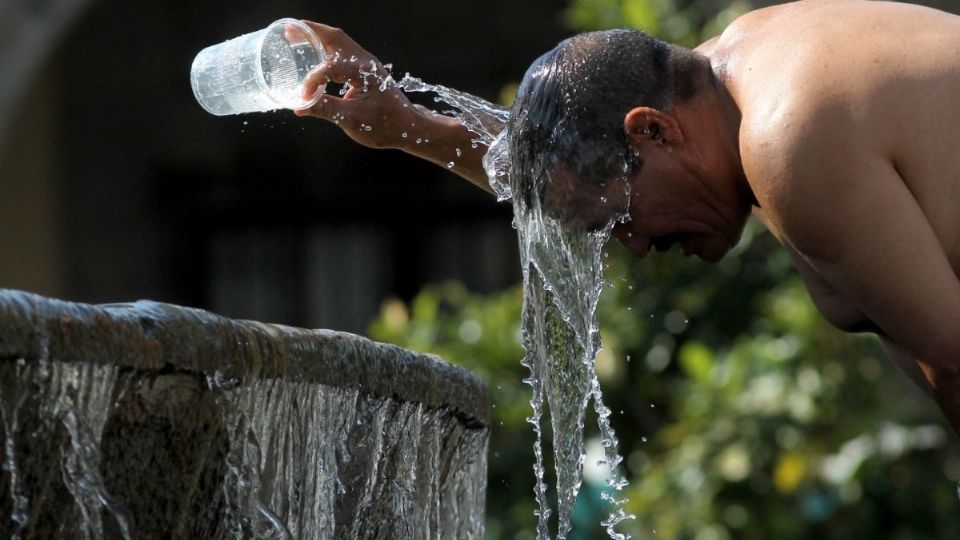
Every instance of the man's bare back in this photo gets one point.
(896, 79)
(849, 139)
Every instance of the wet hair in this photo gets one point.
(571, 104)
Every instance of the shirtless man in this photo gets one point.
(835, 122)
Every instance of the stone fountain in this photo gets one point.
(148, 420)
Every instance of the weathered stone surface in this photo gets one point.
(154, 336)
(152, 421)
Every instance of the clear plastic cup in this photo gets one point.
(256, 72)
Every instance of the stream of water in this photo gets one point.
(562, 282)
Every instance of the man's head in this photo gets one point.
(610, 123)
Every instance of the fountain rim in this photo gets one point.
(151, 335)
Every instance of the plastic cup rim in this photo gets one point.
(262, 81)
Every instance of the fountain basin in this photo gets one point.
(148, 420)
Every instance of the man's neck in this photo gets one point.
(720, 115)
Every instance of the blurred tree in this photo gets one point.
(742, 414)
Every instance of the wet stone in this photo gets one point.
(153, 421)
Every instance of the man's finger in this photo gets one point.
(328, 107)
(333, 71)
(294, 34)
(314, 82)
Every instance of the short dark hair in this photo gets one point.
(570, 106)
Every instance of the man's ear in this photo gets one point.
(644, 125)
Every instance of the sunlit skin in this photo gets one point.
(836, 123)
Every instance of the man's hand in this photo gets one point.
(372, 111)
(375, 113)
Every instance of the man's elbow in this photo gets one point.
(941, 364)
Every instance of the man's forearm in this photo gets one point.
(445, 141)
(379, 115)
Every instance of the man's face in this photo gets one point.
(668, 208)
(663, 209)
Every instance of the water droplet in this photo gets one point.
(367, 128)
(450, 165)
(419, 140)
(404, 134)
(459, 153)
(353, 58)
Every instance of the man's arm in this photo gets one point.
(850, 216)
(386, 118)
(847, 318)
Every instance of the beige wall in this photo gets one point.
(29, 228)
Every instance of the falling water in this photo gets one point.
(388, 458)
(73, 400)
(272, 459)
(177, 423)
(562, 282)
(563, 279)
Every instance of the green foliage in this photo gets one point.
(742, 414)
(684, 23)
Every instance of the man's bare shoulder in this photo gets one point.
(804, 50)
(799, 161)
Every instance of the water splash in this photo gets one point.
(481, 117)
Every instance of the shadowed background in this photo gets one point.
(116, 185)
